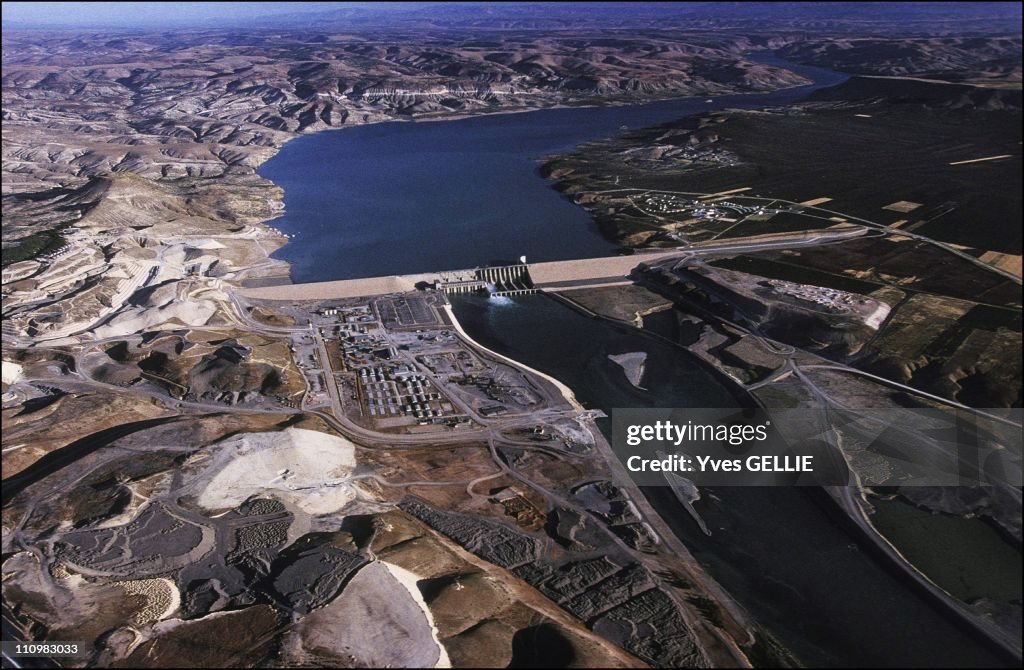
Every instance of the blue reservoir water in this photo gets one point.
(406, 197)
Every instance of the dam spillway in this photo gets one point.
(506, 280)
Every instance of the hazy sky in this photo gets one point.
(176, 15)
(162, 13)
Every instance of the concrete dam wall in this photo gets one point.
(501, 280)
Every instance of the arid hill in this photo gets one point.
(990, 61)
(206, 104)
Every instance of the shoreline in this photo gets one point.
(460, 116)
(739, 393)
(566, 392)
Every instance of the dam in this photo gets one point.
(524, 278)
(504, 280)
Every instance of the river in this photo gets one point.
(783, 553)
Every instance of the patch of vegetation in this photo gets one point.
(708, 609)
(32, 246)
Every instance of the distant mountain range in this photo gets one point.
(824, 17)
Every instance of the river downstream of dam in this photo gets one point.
(401, 198)
(783, 553)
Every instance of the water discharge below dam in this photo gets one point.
(401, 198)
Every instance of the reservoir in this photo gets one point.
(408, 197)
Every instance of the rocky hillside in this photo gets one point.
(993, 61)
(205, 104)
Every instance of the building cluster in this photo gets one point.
(448, 362)
(397, 390)
(351, 314)
(665, 156)
(360, 346)
(717, 157)
(664, 203)
(668, 204)
(830, 298)
(386, 387)
(503, 394)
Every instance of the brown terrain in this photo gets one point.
(176, 490)
(209, 104)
